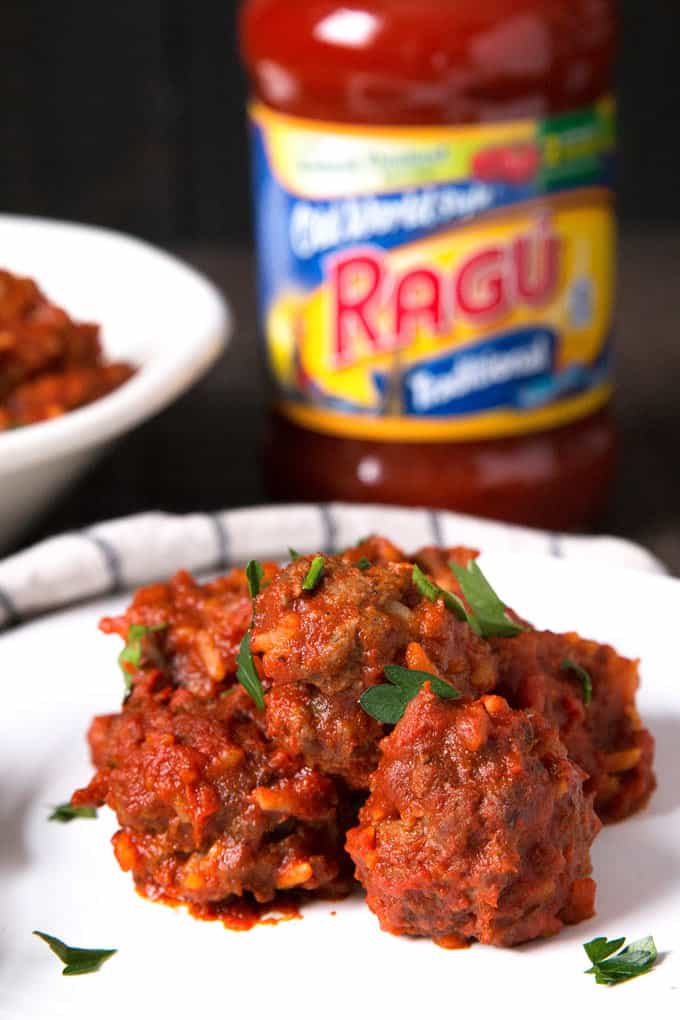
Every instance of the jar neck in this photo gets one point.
(434, 62)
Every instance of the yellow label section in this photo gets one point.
(391, 429)
(326, 161)
(544, 269)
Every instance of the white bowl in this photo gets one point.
(154, 311)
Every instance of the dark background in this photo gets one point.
(131, 114)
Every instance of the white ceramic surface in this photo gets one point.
(59, 671)
(154, 311)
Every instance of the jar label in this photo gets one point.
(425, 284)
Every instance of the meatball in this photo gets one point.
(320, 650)
(199, 627)
(605, 737)
(330, 731)
(477, 826)
(209, 808)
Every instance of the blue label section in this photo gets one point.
(492, 373)
(512, 371)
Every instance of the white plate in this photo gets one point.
(154, 311)
(58, 672)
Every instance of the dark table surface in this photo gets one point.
(202, 453)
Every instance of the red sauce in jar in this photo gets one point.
(522, 82)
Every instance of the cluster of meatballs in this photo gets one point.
(470, 818)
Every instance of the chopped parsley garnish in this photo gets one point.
(387, 702)
(246, 673)
(584, 677)
(68, 813)
(488, 611)
(254, 574)
(433, 592)
(363, 564)
(294, 554)
(314, 573)
(78, 961)
(133, 651)
(637, 958)
(487, 615)
(425, 586)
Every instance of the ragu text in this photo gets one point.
(376, 311)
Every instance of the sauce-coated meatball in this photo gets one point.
(195, 630)
(477, 826)
(605, 736)
(209, 808)
(320, 650)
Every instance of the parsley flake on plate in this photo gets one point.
(636, 959)
(78, 961)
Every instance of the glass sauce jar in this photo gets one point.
(433, 186)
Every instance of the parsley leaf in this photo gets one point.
(433, 592)
(294, 554)
(254, 573)
(68, 813)
(78, 961)
(600, 948)
(387, 702)
(584, 677)
(425, 586)
(487, 609)
(414, 679)
(314, 573)
(133, 652)
(363, 564)
(246, 673)
(637, 958)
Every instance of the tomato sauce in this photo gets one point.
(242, 913)
(432, 334)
